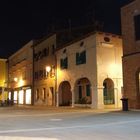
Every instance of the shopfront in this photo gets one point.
(21, 96)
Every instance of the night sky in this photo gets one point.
(23, 20)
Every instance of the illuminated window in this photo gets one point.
(21, 98)
(15, 96)
(28, 96)
(137, 27)
(9, 95)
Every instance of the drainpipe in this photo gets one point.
(56, 92)
(32, 100)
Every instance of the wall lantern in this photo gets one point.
(51, 71)
(48, 69)
(15, 79)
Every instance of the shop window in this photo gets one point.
(64, 63)
(21, 97)
(28, 96)
(137, 27)
(15, 97)
(81, 58)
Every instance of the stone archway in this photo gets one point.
(65, 94)
(108, 92)
(83, 91)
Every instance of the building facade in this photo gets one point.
(3, 80)
(85, 72)
(20, 67)
(44, 71)
(89, 72)
(130, 15)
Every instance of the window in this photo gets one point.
(47, 51)
(44, 94)
(64, 63)
(24, 75)
(44, 52)
(41, 74)
(137, 27)
(37, 94)
(81, 58)
(88, 90)
(53, 49)
(41, 54)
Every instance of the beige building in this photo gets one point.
(89, 71)
(131, 52)
(20, 75)
(44, 71)
(3, 79)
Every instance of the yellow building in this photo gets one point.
(3, 79)
(20, 67)
(44, 80)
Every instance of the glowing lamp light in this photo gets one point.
(21, 82)
(15, 79)
(48, 68)
(115, 69)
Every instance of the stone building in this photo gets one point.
(89, 71)
(44, 70)
(130, 16)
(20, 67)
(86, 71)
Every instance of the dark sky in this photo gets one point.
(23, 20)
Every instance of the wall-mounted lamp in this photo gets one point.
(48, 69)
(51, 70)
(15, 79)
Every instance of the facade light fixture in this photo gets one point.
(15, 79)
(48, 69)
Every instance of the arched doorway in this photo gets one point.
(83, 92)
(65, 94)
(108, 92)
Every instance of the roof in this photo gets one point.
(85, 36)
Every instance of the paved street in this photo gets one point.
(38, 123)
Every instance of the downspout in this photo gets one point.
(32, 101)
(56, 92)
